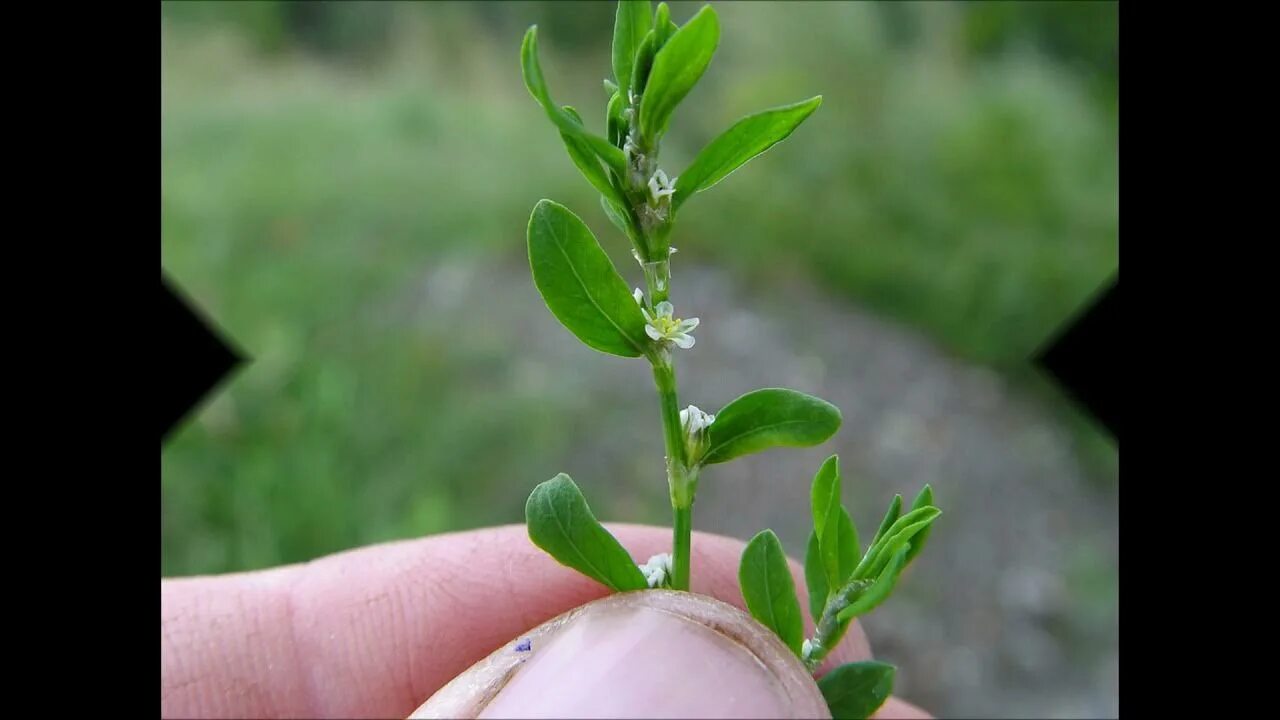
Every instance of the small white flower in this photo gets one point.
(639, 296)
(660, 186)
(696, 439)
(662, 327)
(657, 571)
(806, 649)
(694, 420)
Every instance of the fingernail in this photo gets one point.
(652, 654)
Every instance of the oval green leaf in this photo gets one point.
(815, 578)
(837, 537)
(644, 63)
(868, 599)
(815, 574)
(856, 690)
(561, 523)
(580, 285)
(587, 162)
(749, 138)
(824, 494)
(890, 517)
(903, 530)
(614, 122)
(924, 499)
(772, 417)
(849, 548)
(618, 216)
(630, 25)
(676, 69)
(663, 27)
(537, 85)
(768, 589)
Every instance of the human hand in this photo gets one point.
(374, 632)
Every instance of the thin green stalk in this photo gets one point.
(657, 276)
(680, 545)
(830, 630)
(655, 260)
(679, 481)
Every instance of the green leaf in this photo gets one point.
(676, 69)
(815, 578)
(890, 517)
(644, 63)
(614, 122)
(663, 27)
(629, 28)
(837, 538)
(856, 690)
(617, 216)
(772, 417)
(537, 85)
(824, 495)
(869, 598)
(560, 523)
(768, 589)
(902, 531)
(849, 550)
(580, 285)
(747, 139)
(587, 162)
(924, 499)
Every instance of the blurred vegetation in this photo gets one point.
(317, 157)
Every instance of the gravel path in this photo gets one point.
(1013, 608)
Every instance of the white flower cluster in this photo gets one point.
(657, 572)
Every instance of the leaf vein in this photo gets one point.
(590, 297)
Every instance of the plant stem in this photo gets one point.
(656, 263)
(657, 276)
(681, 483)
(680, 546)
(826, 636)
(830, 630)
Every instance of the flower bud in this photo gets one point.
(696, 426)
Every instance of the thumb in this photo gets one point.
(638, 654)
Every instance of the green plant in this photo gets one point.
(655, 64)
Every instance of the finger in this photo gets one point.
(654, 654)
(374, 631)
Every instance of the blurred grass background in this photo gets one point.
(320, 159)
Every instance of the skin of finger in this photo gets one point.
(375, 631)
(717, 655)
